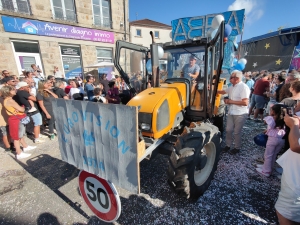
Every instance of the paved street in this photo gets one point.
(44, 190)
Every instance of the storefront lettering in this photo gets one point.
(82, 32)
(55, 28)
(102, 35)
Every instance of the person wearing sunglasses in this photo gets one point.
(9, 81)
(237, 102)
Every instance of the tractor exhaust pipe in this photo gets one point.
(155, 62)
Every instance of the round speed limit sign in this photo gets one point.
(100, 195)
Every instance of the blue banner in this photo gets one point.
(191, 27)
(35, 27)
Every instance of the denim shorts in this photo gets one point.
(4, 130)
(258, 101)
(37, 119)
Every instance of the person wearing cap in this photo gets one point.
(191, 70)
(24, 98)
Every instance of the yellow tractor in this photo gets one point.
(175, 113)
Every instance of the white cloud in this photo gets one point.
(252, 9)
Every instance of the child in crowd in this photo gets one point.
(275, 143)
(113, 93)
(98, 95)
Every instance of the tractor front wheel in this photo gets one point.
(194, 160)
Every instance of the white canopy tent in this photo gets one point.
(101, 64)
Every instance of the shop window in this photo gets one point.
(20, 6)
(64, 10)
(104, 55)
(139, 32)
(156, 34)
(26, 47)
(71, 59)
(101, 12)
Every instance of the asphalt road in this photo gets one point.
(44, 190)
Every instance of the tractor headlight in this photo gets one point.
(145, 121)
(145, 126)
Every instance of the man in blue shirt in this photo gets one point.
(191, 70)
(249, 81)
(89, 87)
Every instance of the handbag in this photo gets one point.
(24, 120)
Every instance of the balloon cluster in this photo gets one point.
(239, 64)
(217, 20)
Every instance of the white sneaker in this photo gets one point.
(23, 155)
(43, 136)
(259, 170)
(29, 148)
(38, 141)
(33, 109)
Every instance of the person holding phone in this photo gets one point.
(288, 202)
(37, 72)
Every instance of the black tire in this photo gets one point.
(194, 160)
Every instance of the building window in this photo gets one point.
(101, 11)
(64, 10)
(21, 6)
(138, 32)
(156, 34)
(71, 58)
(104, 55)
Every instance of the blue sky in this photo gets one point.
(262, 16)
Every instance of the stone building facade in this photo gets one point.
(70, 34)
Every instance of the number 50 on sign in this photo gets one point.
(100, 195)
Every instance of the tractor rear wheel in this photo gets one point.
(194, 160)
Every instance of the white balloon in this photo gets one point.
(160, 52)
(208, 33)
(170, 34)
(217, 20)
(243, 61)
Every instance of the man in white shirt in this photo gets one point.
(238, 100)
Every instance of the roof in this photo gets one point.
(149, 23)
(273, 34)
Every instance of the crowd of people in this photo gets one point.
(28, 99)
(273, 99)
(264, 97)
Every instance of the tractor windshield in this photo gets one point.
(183, 62)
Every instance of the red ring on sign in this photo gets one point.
(113, 212)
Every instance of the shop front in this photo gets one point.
(48, 44)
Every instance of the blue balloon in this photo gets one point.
(234, 62)
(213, 33)
(227, 30)
(239, 66)
(149, 66)
(261, 140)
